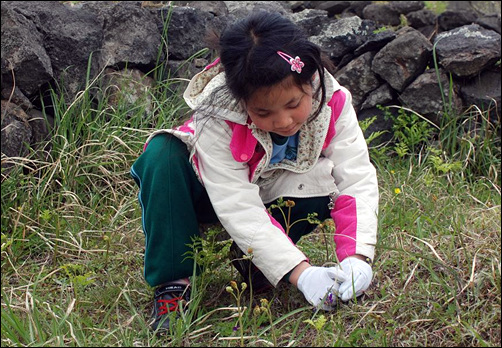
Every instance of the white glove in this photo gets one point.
(320, 284)
(359, 275)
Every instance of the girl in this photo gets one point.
(269, 122)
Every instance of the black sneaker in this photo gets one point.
(245, 267)
(170, 297)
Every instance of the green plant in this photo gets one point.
(311, 218)
(234, 290)
(441, 164)
(471, 137)
(78, 278)
(326, 229)
(403, 21)
(437, 7)
(415, 299)
(380, 30)
(265, 309)
(209, 252)
(318, 324)
(437, 279)
(410, 131)
(365, 124)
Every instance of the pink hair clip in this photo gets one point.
(296, 63)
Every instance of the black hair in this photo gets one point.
(248, 52)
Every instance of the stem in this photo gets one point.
(326, 244)
(284, 216)
(241, 329)
(250, 285)
(56, 240)
(107, 251)
(272, 326)
(288, 226)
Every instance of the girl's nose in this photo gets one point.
(284, 120)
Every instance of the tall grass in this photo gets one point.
(472, 137)
(72, 245)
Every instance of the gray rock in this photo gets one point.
(312, 21)
(484, 92)
(70, 36)
(16, 132)
(23, 56)
(382, 14)
(332, 7)
(187, 31)
(403, 59)
(130, 37)
(342, 36)
(405, 7)
(421, 18)
(380, 96)
(449, 20)
(424, 95)
(358, 77)
(467, 50)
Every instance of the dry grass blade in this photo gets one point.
(430, 247)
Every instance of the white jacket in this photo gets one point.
(232, 160)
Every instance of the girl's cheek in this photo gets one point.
(261, 124)
(306, 112)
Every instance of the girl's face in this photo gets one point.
(282, 108)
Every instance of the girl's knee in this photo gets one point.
(165, 144)
(162, 152)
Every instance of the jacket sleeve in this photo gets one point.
(238, 205)
(356, 205)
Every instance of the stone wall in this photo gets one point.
(383, 52)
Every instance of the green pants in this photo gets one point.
(173, 203)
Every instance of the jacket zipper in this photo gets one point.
(331, 203)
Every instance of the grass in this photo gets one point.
(72, 245)
(437, 7)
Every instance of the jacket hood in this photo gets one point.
(207, 92)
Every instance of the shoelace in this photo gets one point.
(173, 305)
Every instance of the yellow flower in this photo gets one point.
(397, 190)
(392, 171)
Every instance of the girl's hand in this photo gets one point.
(359, 276)
(320, 285)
